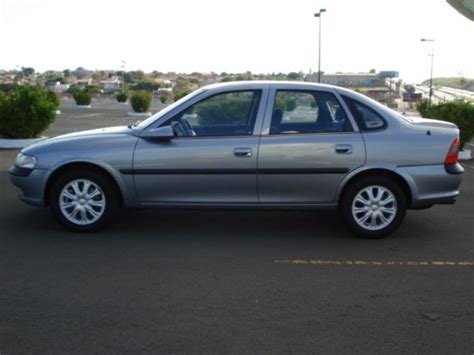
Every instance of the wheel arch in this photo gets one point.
(376, 171)
(106, 171)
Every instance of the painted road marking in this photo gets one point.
(373, 263)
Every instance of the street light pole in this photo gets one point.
(318, 14)
(431, 71)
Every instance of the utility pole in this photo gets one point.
(318, 14)
(431, 72)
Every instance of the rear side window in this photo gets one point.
(296, 112)
(367, 119)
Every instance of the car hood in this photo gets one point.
(109, 131)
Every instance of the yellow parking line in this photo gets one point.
(374, 262)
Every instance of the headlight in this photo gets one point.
(25, 161)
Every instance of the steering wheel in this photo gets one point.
(187, 126)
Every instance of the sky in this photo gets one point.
(261, 36)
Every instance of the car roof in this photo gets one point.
(262, 83)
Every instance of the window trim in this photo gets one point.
(312, 92)
(360, 126)
(258, 91)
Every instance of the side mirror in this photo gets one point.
(161, 133)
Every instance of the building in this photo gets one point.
(348, 79)
(110, 84)
(57, 87)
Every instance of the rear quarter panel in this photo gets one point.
(405, 145)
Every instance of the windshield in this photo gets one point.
(153, 118)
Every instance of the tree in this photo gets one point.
(293, 76)
(372, 71)
(67, 73)
(27, 71)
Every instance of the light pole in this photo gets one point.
(431, 72)
(318, 14)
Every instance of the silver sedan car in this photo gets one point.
(250, 145)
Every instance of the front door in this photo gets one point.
(212, 159)
(309, 149)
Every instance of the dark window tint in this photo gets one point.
(367, 119)
(307, 112)
(226, 114)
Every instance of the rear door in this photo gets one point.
(308, 146)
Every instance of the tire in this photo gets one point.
(81, 210)
(375, 217)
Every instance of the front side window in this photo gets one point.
(226, 114)
(367, 119)
(307, 112)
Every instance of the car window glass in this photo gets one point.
(367, 119)
(307, 112)
(226, 114)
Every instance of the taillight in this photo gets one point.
(453, 152)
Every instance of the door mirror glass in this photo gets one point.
(160, 133)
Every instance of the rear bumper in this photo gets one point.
(431, 185)
(29, 184)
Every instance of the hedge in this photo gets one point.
(122, 97)
(141, 101)
(82, 97)
(459, 113)
(26, 111)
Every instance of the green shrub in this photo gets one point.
(224, 109)
(122, 96)
(26, 111)
(82, 97)
(290, 104)
(145, 85)
(54, 98)
(180, 94)
(423, 107)
(459, 113)
(164, 97)
(141, 101)
(280, 103)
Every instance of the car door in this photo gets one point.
(307, 147)
(211, 159)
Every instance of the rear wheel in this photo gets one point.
(83, 200)
(373, 207)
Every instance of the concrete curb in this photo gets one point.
(139, 114)
(464, 154)
(6, 143)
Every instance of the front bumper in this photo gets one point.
(431, 184)
(29, 184)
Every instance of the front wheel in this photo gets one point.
(373, 207)
(82, 200)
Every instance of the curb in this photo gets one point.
(465, 154)
(139, 114)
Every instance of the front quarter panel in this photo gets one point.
(110, 152)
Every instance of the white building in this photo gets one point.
(57, 87)
(110, 84)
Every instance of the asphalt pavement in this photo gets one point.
(196, 281)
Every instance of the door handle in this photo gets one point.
(243, 152)
(344, 148)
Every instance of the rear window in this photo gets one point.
(367, 118)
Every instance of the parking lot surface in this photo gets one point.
(232, 281)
